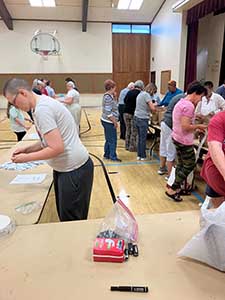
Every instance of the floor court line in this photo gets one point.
(132, 164)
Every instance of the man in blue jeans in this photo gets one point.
(144, 105)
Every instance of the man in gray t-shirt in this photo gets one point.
(59, 145)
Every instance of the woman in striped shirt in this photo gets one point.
(109, 120)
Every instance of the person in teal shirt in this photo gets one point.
(17, 121)
(172, 91)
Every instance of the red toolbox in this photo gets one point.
(108, 250)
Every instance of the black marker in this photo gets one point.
(135, 289)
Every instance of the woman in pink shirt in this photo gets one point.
(183, 137)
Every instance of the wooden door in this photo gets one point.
(131, 58)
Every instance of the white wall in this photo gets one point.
(210, 47)
(168, 32)
(82, 52)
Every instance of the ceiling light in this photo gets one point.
(41, 3)
(135, 4)
(35, 2)
(49, 3)
(123, 4)
(130, 4)
(179, 4)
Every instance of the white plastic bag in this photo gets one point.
(208, 246)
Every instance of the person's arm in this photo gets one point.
(152, 106)
(217, 155)
(28, 149)
(29, 120)
(188, 126)
(55, 146)
(68, 100)
(164, 100)
(21, 124)
(220, 104)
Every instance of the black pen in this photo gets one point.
(135, 289)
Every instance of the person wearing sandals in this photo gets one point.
(144, 105)
(183, 137)
(109, 119)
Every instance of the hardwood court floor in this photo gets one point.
(138, 183)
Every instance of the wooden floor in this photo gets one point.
(137, 183)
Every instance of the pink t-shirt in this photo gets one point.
(184, 108)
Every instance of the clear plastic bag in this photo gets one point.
(119, 223)
(27, 208)
(208, 246)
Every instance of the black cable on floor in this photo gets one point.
(106, 177)
(89, 124)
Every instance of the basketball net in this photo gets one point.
(44, 54)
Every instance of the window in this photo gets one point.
(131, 28)
(141, 29)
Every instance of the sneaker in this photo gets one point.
(116, 159)
(143, 158)
(167, 178)
(106, 157)
(162, 171)
(138, 158)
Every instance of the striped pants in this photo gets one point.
(185, 163)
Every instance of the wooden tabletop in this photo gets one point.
(13, 195)
(54, 261)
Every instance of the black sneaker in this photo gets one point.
(106, 157)
(117, 160)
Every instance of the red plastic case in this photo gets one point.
(108, 250)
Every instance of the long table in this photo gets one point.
(54, 261)
(12, 196)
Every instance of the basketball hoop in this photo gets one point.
(45, 44)
(44, 54)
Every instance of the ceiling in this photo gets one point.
(71, 10)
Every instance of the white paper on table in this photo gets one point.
(28, 179)
(33, 136)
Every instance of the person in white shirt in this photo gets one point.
(210, 104)
(71, 101)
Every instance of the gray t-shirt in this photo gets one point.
(167, 118)
(50, 114)
(142, 110)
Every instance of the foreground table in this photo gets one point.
(13, 195)
(54, 261)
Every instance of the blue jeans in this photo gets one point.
(142, 128)
(110, 140)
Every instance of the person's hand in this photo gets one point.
(115, 125)
(19, 158)
(211, 114)
(199, 117)
(202, 127)
(19, 150)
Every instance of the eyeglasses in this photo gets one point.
(14, 99)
